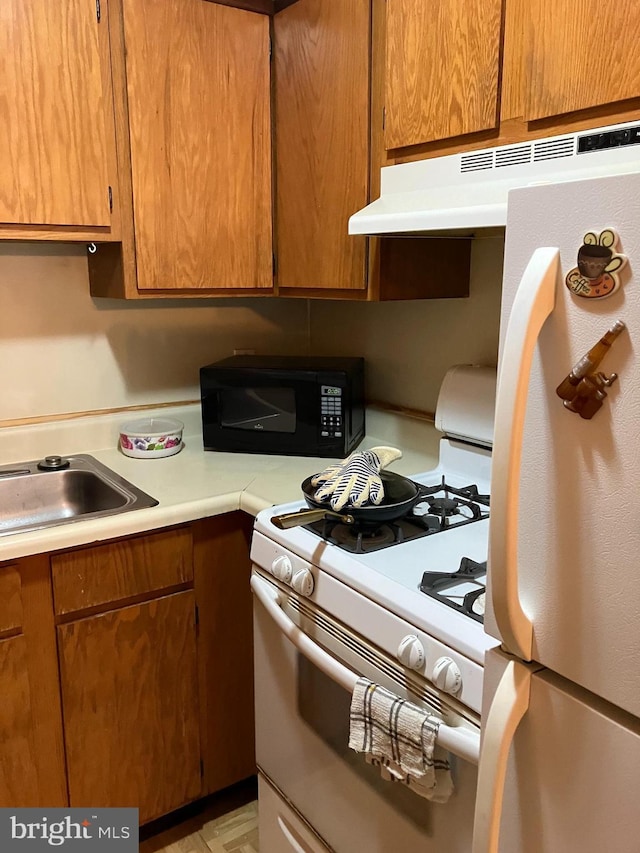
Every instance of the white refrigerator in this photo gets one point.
(560, 752)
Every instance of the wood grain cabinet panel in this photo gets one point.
(56, 97)
(579, 55)
(31, 744)
(198, 97)
(10, 600)
(115, 571)
(18, 758)
(442, 69)
(130, 706)
(225, 649)
(321, 70)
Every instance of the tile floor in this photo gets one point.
(234, 832)
(223, 823)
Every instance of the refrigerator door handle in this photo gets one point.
(508, 707)
(534, 301)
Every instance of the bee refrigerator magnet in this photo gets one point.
(599, 265)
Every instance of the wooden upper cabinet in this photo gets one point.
(57, 143)
(579, 55)
(442, 69)
(198, 98)
(321, 70)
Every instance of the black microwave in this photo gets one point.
(290, 405)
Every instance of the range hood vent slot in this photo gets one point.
(513, 156)
(477, 161)
(554, 148)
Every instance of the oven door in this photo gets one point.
(302, 732)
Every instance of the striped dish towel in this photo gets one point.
(400, 738)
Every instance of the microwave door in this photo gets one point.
(263, 409)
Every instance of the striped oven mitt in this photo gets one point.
(356, 481)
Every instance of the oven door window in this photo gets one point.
(262, 409)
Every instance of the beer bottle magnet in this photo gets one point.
(599, 265)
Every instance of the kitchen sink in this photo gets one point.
(58, 490)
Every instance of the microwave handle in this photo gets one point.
(534, 301)
(455, 739)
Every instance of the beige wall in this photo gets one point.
(63, 351)
(408, 346)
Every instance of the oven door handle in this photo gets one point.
(534, 301)
(460, 741)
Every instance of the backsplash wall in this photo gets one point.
(64, 352)
(408, 346)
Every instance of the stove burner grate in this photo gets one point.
(439, 584)
(441, 507)
(359, 538)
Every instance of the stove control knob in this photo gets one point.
(303, 582)
(411, 652)
(447, 676)
(282, 569)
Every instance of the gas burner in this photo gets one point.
(444, 507)
(361, 539)
(463, 590)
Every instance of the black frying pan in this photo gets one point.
(400, 495)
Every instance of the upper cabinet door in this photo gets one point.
(322, 127)
(579, 55)
(442, 63)
(198, 82)
(54, 99)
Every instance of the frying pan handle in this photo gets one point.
(307, 516)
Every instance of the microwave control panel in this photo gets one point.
(331, 417)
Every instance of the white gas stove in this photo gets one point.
(398, 601)
(452, 532)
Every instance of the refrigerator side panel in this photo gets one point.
(579, 493)
(572, 776)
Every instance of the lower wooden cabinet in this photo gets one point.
(31, 742)
(136, 688)
(130, 706)
(18, 767)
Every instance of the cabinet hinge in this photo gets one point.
(384, 116)
(197, 617)
(98, 10)
(110, 199)
(270, 47)
(274, 265)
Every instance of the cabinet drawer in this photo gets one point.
(10, 600)
(120, 570)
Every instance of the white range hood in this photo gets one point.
(467, 193)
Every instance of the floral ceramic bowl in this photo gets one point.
(151, 438)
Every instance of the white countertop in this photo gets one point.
(194, 483)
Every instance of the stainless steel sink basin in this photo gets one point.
(58, 490)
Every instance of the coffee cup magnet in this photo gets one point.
(599, 263)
